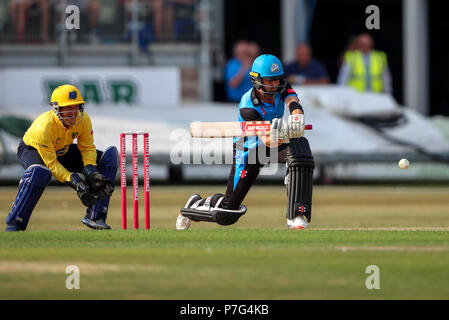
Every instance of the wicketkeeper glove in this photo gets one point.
(97, 183)
(87, 198)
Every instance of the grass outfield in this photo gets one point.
(404, 231)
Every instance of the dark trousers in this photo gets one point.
(72, 160)
(243, 173)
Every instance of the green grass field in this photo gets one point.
(402, 230)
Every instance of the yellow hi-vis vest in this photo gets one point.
(357, 73)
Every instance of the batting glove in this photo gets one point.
(296, 125)
(279, 130)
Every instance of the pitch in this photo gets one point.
(404, 231)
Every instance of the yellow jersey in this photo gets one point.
(52, 139)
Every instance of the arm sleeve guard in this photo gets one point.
(295, 106)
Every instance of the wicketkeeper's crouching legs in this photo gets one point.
(37, 176)
(31, 186)
(107, 166)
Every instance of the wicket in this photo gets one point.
(135, 167)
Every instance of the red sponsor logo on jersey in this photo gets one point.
(290, 90)
(243, 174)
(263, 110)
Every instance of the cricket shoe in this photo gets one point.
(12, 227)
(99, 224)
(297, 223)
(183, 223)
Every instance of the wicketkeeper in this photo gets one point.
(265, 101)
(47, 149)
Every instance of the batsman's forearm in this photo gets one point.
(294, 106)
(290, 99)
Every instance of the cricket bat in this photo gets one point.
(232, 129)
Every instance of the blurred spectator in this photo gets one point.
(352, 46)
(145, 32)
(237, 79)
(306, 70)
(366, 69)
(19, 10)
(164, 17)
(254, 50)
(92, 8)
(126, 9)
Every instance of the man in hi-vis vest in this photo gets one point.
(366, 69)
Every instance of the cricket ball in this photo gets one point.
(404, 163)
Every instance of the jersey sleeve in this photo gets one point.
(41, 136)
(250, 114)
(289, 91)
(86, 142)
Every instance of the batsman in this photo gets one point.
(48, 149)
(265, 101)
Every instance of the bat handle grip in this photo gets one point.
(308, 127)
